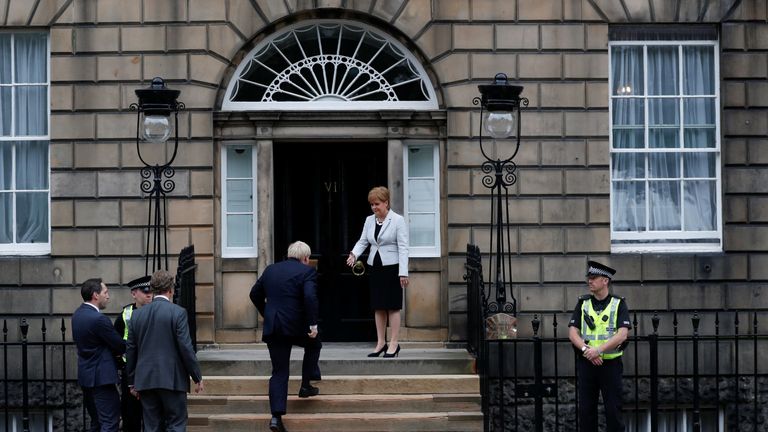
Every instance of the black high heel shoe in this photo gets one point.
(378, 353)
(394, 354)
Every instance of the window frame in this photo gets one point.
(15, 248)
(319, 105)
(667, 241)
(423, 251)
(239, 252)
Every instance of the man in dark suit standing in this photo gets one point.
(160, 359)
(286, 296)
(97, 345)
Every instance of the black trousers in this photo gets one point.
(280, 354)
(594, 380)
(164, 410)
(130, 407)
(103, 405)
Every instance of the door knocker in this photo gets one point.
(358, 269)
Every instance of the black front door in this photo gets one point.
(321, 194)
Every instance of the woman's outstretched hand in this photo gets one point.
(351, 260)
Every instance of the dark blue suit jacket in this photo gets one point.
(286, 296)
(97, 345)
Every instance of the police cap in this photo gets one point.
(594, 268)
(141, 284)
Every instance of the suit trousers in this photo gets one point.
(130, 407)
(103, 405)
(164, 410)
(594, 380)
(280, 354)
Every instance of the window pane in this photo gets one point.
(628, 138)
(6, 217)
(420, 161)
(664, 165)
(699, 165)
(32, 217)
(239, 231)
(421, 195)
(32, 165)
(239, 196)
(662, 70)
(627, 70)
(699, 112)
(31, 110)
(699, 70)
(5, 111)
(628, 166)
(700, 205)
(699, 137)
(31, 53)
(239, 163)
(664, 205)
(628, 206)
(663, 112)
(6, 162)
(5, 53)
(628, 112)
(421, 230)
(663, 137)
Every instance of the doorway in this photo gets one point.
(320, 198)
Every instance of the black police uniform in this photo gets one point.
(606, 378)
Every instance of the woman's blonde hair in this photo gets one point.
(379, 193)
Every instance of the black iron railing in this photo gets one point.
(680, 367)
(184, 294)
(40, 375)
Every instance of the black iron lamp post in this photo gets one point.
(153, 125)
(500, 105)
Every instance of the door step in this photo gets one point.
(343, 422)
(347, 403)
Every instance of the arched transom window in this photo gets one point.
(329, 65)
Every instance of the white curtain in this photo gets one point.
(24, 179)
(673, 201)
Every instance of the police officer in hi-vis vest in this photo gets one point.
(598, 329)
(130, 406)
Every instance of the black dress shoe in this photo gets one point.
(378, 353)
(276, 425)
(394, 354)
(308, 391)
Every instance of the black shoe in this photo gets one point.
(276, 425)
(394, 354)
(308, 391)
(378, 353)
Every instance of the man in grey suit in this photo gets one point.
(160, 359)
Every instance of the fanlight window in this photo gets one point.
(330, 65)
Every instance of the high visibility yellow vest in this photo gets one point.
(127, 312)
(604, 328)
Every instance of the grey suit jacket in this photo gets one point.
(392, 244)
(159, 350)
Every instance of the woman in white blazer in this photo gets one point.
(386, 234)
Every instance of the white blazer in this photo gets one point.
(392, 243)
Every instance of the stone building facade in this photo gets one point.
(100, 51)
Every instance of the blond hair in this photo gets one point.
(299, 250)
(379, 193)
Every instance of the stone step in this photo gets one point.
(349, 384)
(342, 422)
(342, 359)
(337, 404)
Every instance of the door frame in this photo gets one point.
(265, 129)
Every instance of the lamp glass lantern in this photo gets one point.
(156, 104)
(500, 104)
